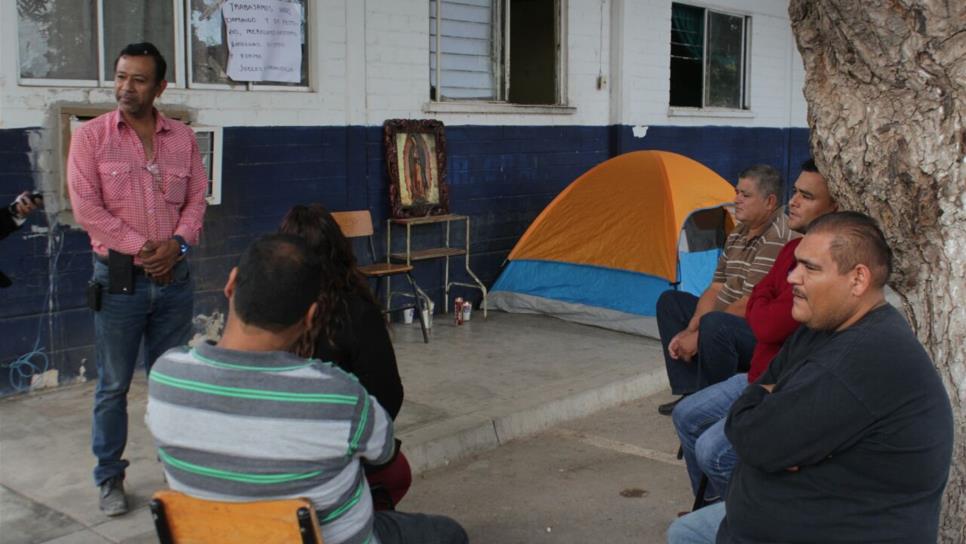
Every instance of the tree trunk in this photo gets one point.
(885, 82)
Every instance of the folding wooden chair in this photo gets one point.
(180, 519)
(358, 224)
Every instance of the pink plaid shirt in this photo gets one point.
(121, 199)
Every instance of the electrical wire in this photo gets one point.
(36, 362)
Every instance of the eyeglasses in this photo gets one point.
(155, 171)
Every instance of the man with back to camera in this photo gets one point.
(137, 186)
(706, 340)
(847, 436)
(699, 419)
(314, 422)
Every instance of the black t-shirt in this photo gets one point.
(7, 224)
(363, 348)
(864, 417)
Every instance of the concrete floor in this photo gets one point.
(471, 389)
(608, 477)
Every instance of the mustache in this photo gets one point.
(798, 292)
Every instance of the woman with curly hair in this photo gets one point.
(350, 331)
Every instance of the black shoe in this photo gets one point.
(113, 502)
(668, 407)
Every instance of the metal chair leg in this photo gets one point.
(417, 300)
(699, 501)
(306, 529)
(160, 522)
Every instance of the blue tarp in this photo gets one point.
(696, 269)
(620, 290)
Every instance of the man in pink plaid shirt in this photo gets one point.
(137, 185)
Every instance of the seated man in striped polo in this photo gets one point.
(245, 419)
(707, 340)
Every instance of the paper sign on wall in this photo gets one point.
(264, 40)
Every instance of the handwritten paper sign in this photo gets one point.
(264, 40)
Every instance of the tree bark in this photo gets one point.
(885, 82)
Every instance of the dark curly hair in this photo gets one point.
(340, 274)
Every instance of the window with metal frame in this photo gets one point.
(709, 58)
(207, 49)
(495, 50)
(74, 42)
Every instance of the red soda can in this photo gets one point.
(458, 310)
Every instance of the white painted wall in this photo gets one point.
(371, 62)
(777, 73)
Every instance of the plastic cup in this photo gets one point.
(427, 315)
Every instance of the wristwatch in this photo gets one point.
(183, 246)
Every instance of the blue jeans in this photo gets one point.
(699, 421)
(698, 527)
(404, 528)
(725, 343)
(160, 316)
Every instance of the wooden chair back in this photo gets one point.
(358, 224)
(180, 519)
(354, 224)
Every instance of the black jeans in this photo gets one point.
(393, 527)
(725, 343)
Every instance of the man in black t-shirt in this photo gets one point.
(847, 437)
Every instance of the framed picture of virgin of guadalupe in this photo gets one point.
(416, 159)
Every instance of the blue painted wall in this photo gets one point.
(502, 177)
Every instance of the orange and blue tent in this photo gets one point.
(609, 244)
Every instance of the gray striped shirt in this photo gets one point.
(238, 426)
(746, 260)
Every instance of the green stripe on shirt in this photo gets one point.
(354, 443)
(247, 368)
(244, 477)
(353, 500)
(244, 393)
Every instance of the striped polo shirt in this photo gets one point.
(240, 426)
(747, 259)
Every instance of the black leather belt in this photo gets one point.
(138, 270)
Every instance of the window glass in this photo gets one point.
(134, 21)
(57, 39)
(687, 55)
(210, 50)
(60, 39)
(533, 52)
(708, 58)
(724, 71)
(209, 44)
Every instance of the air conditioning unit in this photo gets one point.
(210, 145)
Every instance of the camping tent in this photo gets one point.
(606, 247)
